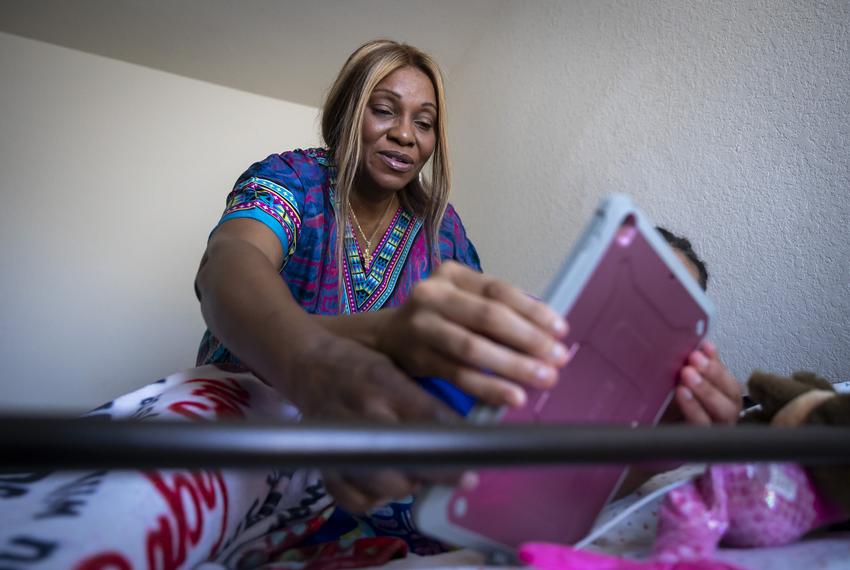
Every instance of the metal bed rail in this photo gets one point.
(38, 443)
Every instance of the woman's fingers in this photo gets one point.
(490, 389)
(362, 491)
(485, 387)
(494, 320)
(474, 351)
(356, 494)
(346, 495)
(487, 337)
(383, 485)
(482, 323)
(530, 309)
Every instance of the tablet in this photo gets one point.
(635, 314)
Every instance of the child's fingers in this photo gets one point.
(691, 408)
(709, 348)
(714, 371)
(727, 383)
(716, 403)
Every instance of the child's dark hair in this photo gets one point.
(683, 245)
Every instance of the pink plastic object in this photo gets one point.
(631, 328)
(740, 505)
(559, 557)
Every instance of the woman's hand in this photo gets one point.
(328, 374)
(488, 338)
(340, 380)
(708, 393)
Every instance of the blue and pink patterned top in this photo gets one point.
(291, 193)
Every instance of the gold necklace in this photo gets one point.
(367, 255)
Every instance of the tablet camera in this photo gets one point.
(627, 232)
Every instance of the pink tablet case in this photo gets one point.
(631, 305)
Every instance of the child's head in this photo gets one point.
(686, 253)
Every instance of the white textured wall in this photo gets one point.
(727, 121)
(111, 177)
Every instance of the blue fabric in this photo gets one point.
(449, 394)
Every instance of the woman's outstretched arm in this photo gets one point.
(457, 324)
(251, 310)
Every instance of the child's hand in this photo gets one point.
(708, 393)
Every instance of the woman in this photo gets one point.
(311, 245)
(273, 268)
(384, 119)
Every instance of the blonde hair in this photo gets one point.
(342, 120)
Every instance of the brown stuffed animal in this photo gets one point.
(805, 398)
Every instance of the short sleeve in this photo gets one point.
(454, 243)
(272, 193)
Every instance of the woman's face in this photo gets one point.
(398, 133)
